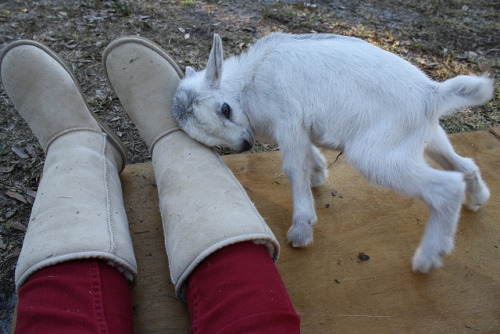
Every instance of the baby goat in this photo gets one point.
(340, 93)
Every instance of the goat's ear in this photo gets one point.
(214, 65)
(189, 71)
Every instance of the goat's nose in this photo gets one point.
(248, 142)
(246, 145)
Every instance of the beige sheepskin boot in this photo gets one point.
(203, 206)
(78, 211)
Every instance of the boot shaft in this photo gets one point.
(78, 211)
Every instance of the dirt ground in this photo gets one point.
(442, 37)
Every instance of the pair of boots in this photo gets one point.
(78, 211)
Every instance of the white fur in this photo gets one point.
(341, 93)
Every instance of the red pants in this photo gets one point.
(235, 290)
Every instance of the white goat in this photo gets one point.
(340, 93)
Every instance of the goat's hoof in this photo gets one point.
(424, 261)
(428, 255)
(300, 236)
(424, 264)
(318, 177)
(476, 193)
(473, 202)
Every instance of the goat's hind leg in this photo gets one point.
(440, 150)
(319, 172)
(442, 191)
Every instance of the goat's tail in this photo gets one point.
(463, 91)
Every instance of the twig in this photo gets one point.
(337, 158)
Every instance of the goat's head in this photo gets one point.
(205, 112)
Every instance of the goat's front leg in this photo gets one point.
(297, 167)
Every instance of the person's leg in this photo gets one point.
(78, 211)
(82, 296)
(204, 208)
(238, 289)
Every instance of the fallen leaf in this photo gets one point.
(16, 196)
(13, 254)
(31, 193)
(6, 169)
(19, 151)
(9, 214)
(18, 226)
(486, 68)
(31, 150)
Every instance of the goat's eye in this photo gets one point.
(226, 110)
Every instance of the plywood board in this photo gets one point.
(331, 288)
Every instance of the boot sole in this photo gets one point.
(111, 136)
